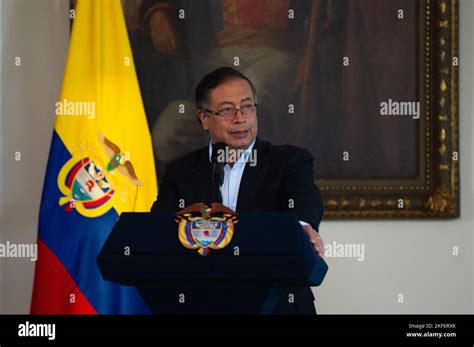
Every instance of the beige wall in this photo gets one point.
(37, 32)
(409, 257)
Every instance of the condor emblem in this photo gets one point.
(87, 183)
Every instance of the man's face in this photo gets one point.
(238, 132)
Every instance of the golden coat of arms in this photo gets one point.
(204, 228)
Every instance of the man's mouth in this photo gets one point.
(239, 133)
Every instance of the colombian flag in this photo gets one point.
(100, 165)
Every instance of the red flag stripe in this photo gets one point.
(53, 287)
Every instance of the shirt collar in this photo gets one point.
(242, 158)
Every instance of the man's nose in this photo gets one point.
(239, 117)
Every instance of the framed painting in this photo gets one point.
(369, 87)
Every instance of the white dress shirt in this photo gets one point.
(232, 177)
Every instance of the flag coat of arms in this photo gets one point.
(100, 165)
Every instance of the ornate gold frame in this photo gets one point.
(435, 192)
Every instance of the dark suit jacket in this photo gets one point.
(282, 173)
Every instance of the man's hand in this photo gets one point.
(164, 33)
(315, 239)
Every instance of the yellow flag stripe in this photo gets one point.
(100, 95)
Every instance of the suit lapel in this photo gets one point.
(201, 179)
(253, 177)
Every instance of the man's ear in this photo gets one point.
(203, 119)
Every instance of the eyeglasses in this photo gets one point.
(229, 113)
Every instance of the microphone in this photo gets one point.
(217, 170)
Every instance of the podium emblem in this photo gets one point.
(204, 228)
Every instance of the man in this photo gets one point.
(280, 179)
